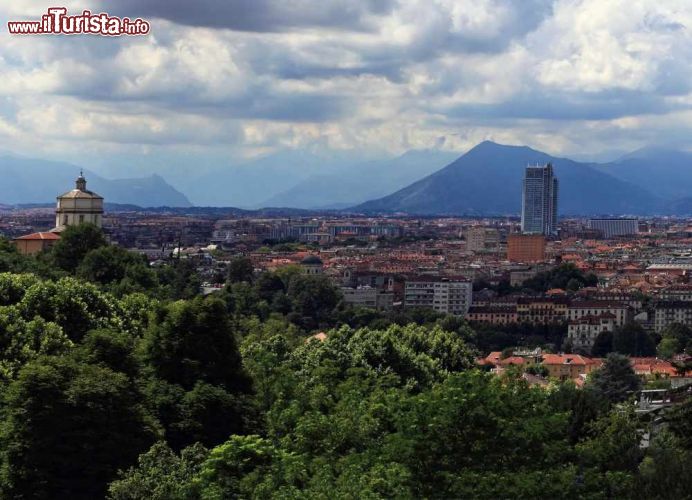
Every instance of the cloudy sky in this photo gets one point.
(241, 78)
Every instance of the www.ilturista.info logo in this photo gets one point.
(57, 22)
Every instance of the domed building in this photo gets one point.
(312, 264)
(78, 206)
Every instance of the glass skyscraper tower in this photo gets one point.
(539, 201)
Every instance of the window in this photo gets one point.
(81, 219)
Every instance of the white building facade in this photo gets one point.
(79, 206)
(442, 295)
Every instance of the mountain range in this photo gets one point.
(487, 180)
(26, 180)
(360, 182)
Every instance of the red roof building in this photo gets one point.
(32, 244)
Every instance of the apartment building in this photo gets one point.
(667, 312)
(445, 295)
(582, 332)
(367, 296)
(583, 308)
(542, 310)
(497, 314)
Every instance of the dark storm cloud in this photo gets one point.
(256, 15)
(349, 15)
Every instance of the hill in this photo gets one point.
(249, 184)
(668, 173)
(361, 182)
(26, 180)
(487, 180)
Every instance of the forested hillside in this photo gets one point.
(118, 380)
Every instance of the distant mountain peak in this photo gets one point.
(491, 146)
(487, 180)
(655, 152)
(28, 180)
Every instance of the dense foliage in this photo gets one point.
(119, 380)
(565, 277)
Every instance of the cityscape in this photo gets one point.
(340, 269)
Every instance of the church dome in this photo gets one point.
(311, 260)
(80, 190)
(78, 206)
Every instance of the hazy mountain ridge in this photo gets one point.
(26, 180)
(249, 184)
(667, 173)
(361, 182)
(487, 180)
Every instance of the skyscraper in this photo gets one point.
(539, 201)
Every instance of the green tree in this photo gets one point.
(193, 341)
(615, 380)
(415, 356)
(13, 287)
(631, 339)
(666, 470)
(538, 369)
(268, 285)
(199, 388)
(179, 279)
(565, 276)
(125, 271)
(584, 407)
(112, 349)
(12, 261)
(68, 427)
(135, 312)
(614, 441)
(75, 306)
(314, 299)
(679, 420)
(240, 270)
(676, 338)
(668, 347)
(469, 428)
(574, 284)
(75, 242)
(22, 341)
(160, 475)
(242, 299)
(603, 344)
(234, 468)
(209, 414)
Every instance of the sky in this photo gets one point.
(223, 80)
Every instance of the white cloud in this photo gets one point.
(567, 75)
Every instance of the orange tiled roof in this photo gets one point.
(493, 357)
(39, 236)
(562, 359)
(512, 360)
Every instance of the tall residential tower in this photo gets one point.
(539, 201)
